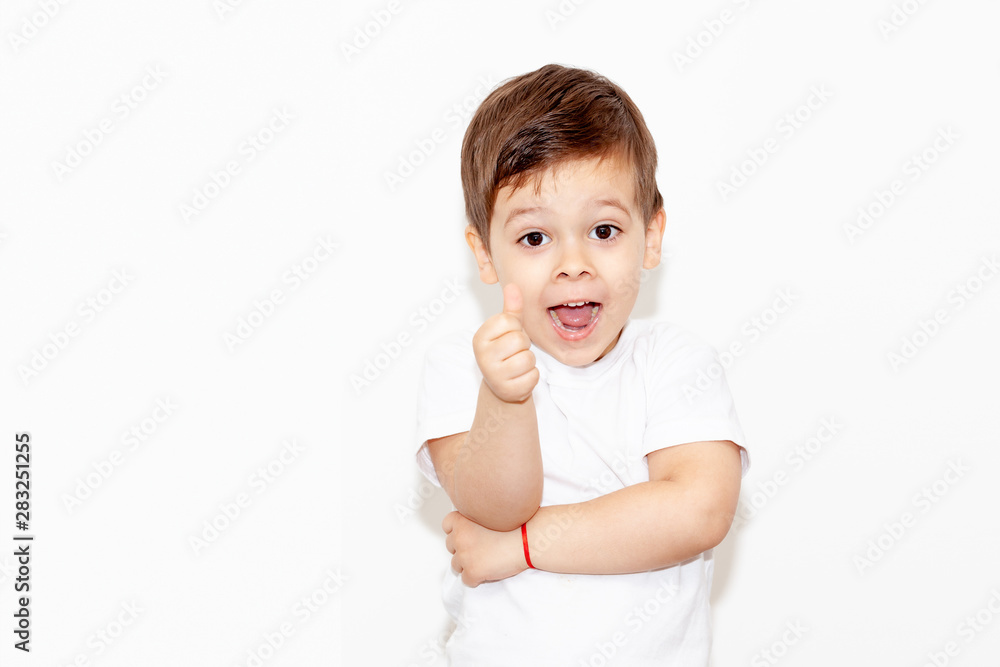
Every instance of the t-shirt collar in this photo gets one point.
(555, 372)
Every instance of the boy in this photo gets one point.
(591, 479)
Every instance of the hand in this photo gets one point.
(481, 554)
(503, 351)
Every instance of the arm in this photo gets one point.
(686, 508)
(493, 472)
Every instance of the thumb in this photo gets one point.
(513, 302)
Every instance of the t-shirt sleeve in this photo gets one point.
(688, 398)
(447, 395)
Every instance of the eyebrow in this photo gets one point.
(613, 203)
(597, 203)
(517, 212)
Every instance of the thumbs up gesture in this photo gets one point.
(503, 351)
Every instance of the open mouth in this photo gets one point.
(574, 320)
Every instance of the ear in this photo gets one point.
(487, 272)
(654, 240)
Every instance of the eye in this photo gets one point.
(533, 239)
(605, 232)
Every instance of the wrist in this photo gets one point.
(524, 544)
(516, 551)
(498, 398)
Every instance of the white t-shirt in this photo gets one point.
(659, 386)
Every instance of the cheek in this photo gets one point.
(515, 270)
(627, 290)
(536, 323)
(627, 278)
(635, 275)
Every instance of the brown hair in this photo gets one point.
(540, 119)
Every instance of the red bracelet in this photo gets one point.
(524, 539)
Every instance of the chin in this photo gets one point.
(577, 357)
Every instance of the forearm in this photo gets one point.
(639, 528)
(498, 468)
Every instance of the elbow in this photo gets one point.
(502, 516)
(717, 506)
(521, 516)
(717, 519)
(510, 517)
(503, 524)
(706, 523)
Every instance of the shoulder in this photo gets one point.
(665, 343)
(449, 370)
(452, 349)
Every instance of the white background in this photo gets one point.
(333, 526)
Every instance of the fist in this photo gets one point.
(479, 554)
(503, 351)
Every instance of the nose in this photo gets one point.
(574, 261)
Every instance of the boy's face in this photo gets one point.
(581, 239)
